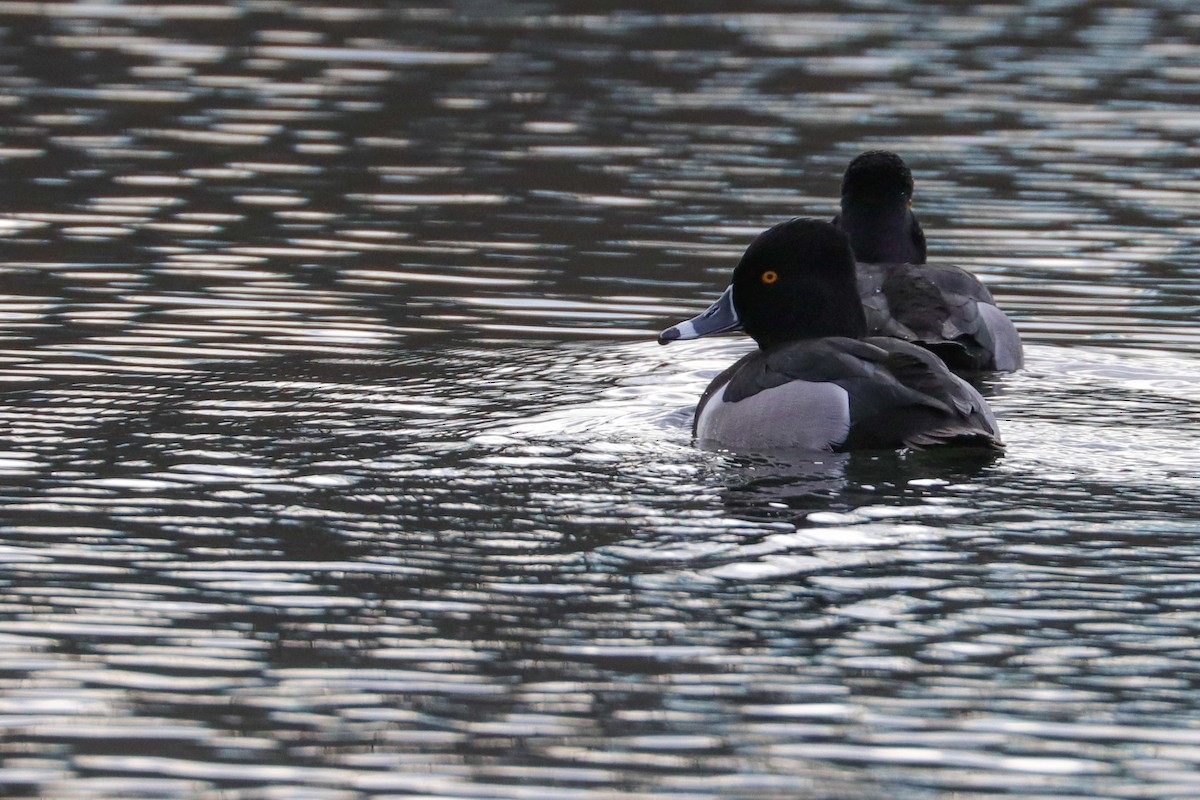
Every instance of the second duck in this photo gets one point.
(941, 307)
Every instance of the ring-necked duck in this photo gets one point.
(941, 307)
(817, 381)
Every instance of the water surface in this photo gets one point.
(339, 460)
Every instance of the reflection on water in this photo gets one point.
(339, 461)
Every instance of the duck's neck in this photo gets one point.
(882, 234)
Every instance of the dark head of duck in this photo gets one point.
(797, 281)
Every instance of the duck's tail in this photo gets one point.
(955, 437)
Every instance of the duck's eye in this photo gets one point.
(770, 276)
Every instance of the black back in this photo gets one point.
(937, 307)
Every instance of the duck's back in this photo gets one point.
(927, 405)
(944, 309)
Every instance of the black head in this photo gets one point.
(877, 177)
(797, 281)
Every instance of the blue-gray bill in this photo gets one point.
(717, 318)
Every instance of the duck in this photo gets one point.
(818, 381)
(941, 307)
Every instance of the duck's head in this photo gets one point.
(877, 192)
(877, 178)
(795, 281)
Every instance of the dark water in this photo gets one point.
(339, 460)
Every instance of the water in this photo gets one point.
(339, 460)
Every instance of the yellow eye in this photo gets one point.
(770, 276)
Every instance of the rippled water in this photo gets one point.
(339, 460)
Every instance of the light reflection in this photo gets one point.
(366, 54)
